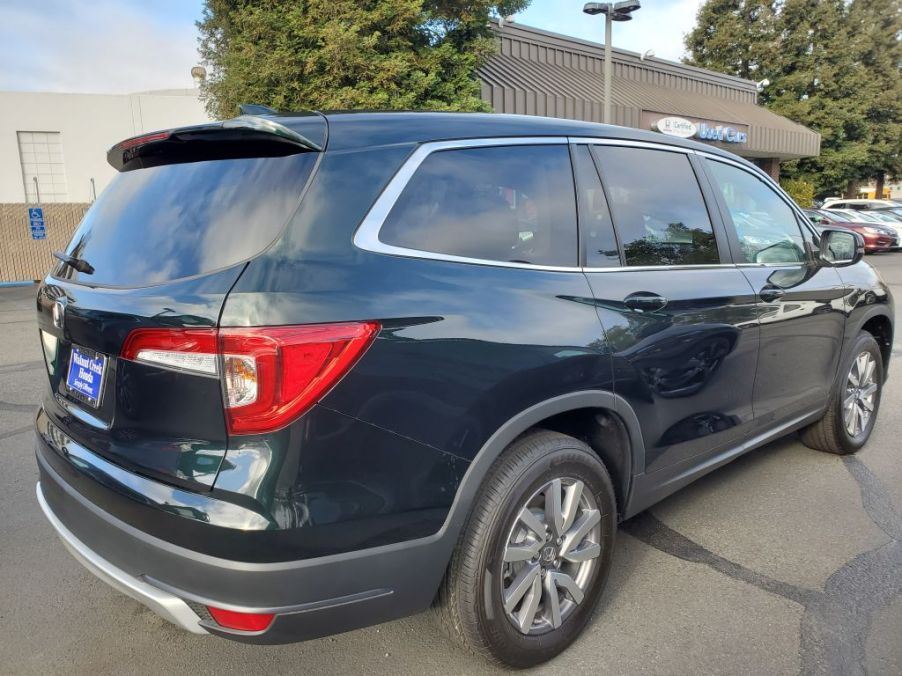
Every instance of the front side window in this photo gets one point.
(766, 225)
(658, 208)
(506, 203)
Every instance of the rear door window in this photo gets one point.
(172, 221)
(765, 224)
(657, 205)
(505, 203)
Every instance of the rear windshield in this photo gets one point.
(163, 223)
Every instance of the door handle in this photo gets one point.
(769, 294)
(644, 301)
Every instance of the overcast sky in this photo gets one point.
(109, 46)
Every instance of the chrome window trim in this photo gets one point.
(367, 235)
(589, 140)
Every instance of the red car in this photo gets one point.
(876, 237)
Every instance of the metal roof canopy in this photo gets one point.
(541, 73)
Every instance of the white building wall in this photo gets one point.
(88, 125)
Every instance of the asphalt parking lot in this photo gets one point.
(788, 561)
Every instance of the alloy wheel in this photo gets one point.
(550, 555)
(860, 395)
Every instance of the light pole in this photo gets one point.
(613, 11)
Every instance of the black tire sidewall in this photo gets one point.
(502, 637)
(864, 343)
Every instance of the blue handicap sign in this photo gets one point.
(36, 222)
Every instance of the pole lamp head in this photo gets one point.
(593, 8)
(626, 6)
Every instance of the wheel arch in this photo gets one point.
(877, 320)
(879, 325)
(555, 409)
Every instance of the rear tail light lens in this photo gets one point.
(184, 349)
(273, 375)
(270, 375)
(241, 621)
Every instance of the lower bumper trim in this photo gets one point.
(166, 605)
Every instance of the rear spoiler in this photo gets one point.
(243, 136)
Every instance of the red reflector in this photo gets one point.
(241, 621)
(273, 375)
(141, 140)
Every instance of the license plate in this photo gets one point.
(85, 378)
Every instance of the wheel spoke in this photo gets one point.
(527, 613)
(867, 374)
(853, 375)
(580, 529)
(868, 390)
(585, 553)
(848, 402)
(552, 600)
(554, 516)
(568, 584)
(849, 417)
(520, 586)
(572, 494)
(522, 551)
(532, 522)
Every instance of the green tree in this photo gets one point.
(816, 80)
(733, 36)
(876, 37)
(344, 54)
(833, 66)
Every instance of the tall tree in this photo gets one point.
(833, 65)
(815, 80)
(876, 36)
(733, 36)
(346, 54)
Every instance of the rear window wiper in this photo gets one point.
(79, 264)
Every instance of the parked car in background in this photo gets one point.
(874, 218)
(307, 373)
(859, 204)
(876, 237)
(885, 216)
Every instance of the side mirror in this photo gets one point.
(839, 248)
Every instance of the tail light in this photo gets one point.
(270, 375)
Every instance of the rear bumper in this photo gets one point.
(310, 598)
(168, 606)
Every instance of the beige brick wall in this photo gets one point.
(23, 258)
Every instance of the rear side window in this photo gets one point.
(595, 224)
(179, 220)
(765, 225)
(658, 207)
(509, 203)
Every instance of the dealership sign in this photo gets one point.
(720, 133)
(676, 126)
(703, 130)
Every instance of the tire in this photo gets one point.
(832, 433)
(470, 604)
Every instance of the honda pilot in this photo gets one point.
(309, 372)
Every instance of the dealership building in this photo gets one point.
(52, 146)
(542, 73)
